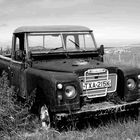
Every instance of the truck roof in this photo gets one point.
(52, 28)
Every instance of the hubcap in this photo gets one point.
(44, 117)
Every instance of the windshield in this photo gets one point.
(57, 42)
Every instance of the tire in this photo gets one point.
(134, 113)
(44, 117)
(131, 114)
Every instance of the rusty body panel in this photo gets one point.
(69, 80)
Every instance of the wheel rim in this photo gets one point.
(44, 117)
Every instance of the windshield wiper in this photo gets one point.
(54, 49)
(77, 45)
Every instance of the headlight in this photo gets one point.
(139, 76)
(70, 92)
(59, 86)
(131, 84)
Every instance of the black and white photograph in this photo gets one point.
(69, 70)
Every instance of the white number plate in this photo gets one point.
(97, 84)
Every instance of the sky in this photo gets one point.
(114, 22)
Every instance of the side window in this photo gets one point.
(17, 44)
(18, 51)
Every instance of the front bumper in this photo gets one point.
(98, 109)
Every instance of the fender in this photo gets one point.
(125, 73)
(46, 81)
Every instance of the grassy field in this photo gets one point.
(126, 56)
(22, 129)
(126, 130)
(110, 131)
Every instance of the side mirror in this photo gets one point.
(101, 50)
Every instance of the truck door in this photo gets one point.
(17, 66)
(17, 77)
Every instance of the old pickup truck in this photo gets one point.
(65, 67)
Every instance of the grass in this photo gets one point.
(129, 130)
(16, 122)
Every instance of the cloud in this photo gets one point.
(23, 9)
(101, 9)
(105, 16)
(3, 25)
(13, 9)
(16, 2)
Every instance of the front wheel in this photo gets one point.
(134, 113)
(44, 117)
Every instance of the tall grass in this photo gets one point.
(129, 130)
(14, 115)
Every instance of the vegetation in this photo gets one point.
(5, 50)
(14, 115)
(130, 56)
(17, 123)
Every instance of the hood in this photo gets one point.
(79, 66)
(68, 65)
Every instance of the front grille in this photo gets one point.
(98, 82)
